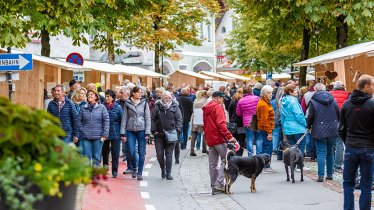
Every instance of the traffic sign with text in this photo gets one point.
(15, 62)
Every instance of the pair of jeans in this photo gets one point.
(185, 128)
(164, 152)
(67, 139)
(133, 138)
(251, 136)
(310, 147)
(276, 138)
(79, 146)
(216, 172)
(198, 140)
(325, 155)
(92, 149)
(111, 146)
(267, 146)
(358, 157)
(339, 151)
(279, 152)
(194, 137)
(127, 155)
(293, 140)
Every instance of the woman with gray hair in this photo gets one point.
(265, 124)
(166, 116)
(257, 89)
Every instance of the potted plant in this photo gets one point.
(37, 168)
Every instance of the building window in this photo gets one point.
(209, 34)
(223, 30)
(183, 67)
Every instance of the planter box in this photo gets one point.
(67, 202)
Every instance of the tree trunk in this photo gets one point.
(341, 33)
(304, 56)
(157, 58)
(111, 54)
(46, 47)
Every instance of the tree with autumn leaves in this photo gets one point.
(273, 26)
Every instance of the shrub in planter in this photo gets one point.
(33, 156)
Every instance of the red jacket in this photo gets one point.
(340, 96)
(215, 130)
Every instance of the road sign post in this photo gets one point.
(14, 62)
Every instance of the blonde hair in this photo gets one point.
(202, 93)
(75, 95)
(238, 95)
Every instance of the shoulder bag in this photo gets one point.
(253, 124)
(170, 136)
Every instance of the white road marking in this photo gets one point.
(145, 173)
(149, 207)
(143, 184)
(148, 165)
(153, 159)
(145, 195)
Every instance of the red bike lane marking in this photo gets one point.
(124, 191)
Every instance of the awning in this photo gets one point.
(193, 74)
(277, 76)
(341, 54)
(235, 76)
(53, 62)
(104, 67)
(213, 74)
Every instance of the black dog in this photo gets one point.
(292, 157)
(249, 167)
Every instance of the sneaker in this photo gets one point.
(163, 175)
(320, 179)
(133, 175)
(192, 154)
(329, 177)
(139, 177)
(216, 191)
(176, 161)
(205, 151)
(306, 168)
(114, 175)
(128, 171)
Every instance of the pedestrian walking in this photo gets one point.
(166, 116)
(79, 99)
(323, 119)
(74, 85)
(93, 123)
(236, 122)
(64, 109)
(257, 89)
(216, 135)
(113, 143)
(292, 118)
(356, 128)
(246, 109)
(198, 129)
(93, 87)
(305, 101)
(187, 110)
(136, 128)
(265, 124)
(340, 96)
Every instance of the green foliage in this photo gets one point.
(30, 140)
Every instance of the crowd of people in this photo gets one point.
(320, 119)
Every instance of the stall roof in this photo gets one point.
(193, 74)
(341, 54)
(104, 67)
(235, 76)
(53, 62)
(276, 76)
(213, 74)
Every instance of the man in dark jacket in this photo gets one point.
(216, 135)
(74, 85)
(226, 98)
(323, 118)
(64, 109)
(187, 109)
(357, 131)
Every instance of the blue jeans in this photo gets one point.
(133, 138)
(358, 157)
(111, 146)
(339, 154)
(67, 139)
(127, 155)
(276, 138)
(267, 146)
(198, 140)
(325, 155)
(250, 137)
(92, 149)
(294, 138)
(310, 146)
(184, 134)
(79, 145)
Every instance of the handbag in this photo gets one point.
(232, 127)
(253, 124)
(170, 136)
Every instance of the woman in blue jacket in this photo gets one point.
(113, 143)
(292, 117)
(93, 123)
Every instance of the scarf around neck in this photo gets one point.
(166, 105)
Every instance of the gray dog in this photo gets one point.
(292, 157)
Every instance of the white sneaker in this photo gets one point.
(268, 170)
(306, 168)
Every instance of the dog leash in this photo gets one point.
(301, 138)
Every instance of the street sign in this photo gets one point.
(15, 62)
(75, 58)
(269, 75)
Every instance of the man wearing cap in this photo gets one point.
(216, 136)
(74, 85)
(340, 96)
